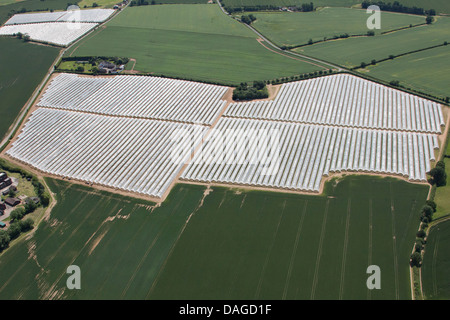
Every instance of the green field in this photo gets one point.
(100, 3)
(436, 263)
(119, 243)
(441, 197)
(20, 75)
(6, 2)
(296, 28)
(260, 245)
(441, 6)
(225, 244)
(352, 51)
(190, 41)
(420, 71)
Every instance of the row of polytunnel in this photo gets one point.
(136, 155)
(88, 15)
(137, 96)
(345, 100)
(57, 33)
(303, 154)
(137, 133)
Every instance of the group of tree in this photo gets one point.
(136, 3)
(438, 175)
(25, 37)
(426, 216)
(398, 7)
(303, 76)
(39, 188)
(14, 230)
(306, 7)
(245, 92)
(248, 19)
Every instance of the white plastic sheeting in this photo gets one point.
(307, 153)
(137, 96)
(60, 34)
(345, 100)
(136, 155)
(89, 15)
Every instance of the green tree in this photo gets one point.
(17, 214)
(427, 211)
(429, 19)
(45, 199)
(416, 259)
(4, 240)
(30, 206)
(432, 204)
(26, 224)
(14, 230)
(421, 234)
(438, 176)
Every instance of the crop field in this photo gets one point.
(296, 28)
(352, 51)
(441, 197)
(436, 263)
(196, 244)
(420, 71)
(120, 243)
(215, 47)
(258, 245)
(6, 2)
(20, 76)
(441, 6)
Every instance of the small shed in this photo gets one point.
(12, 201)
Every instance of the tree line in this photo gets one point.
(305, 7)
(398, 7)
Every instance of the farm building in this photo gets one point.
(12, 202)
(2, 206)
(5, 183)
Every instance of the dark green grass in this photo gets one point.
(296, 28)
(436, 263)
(249, 245)
(273, 246)
(131, 247)
(201, 44)
(352, 51)
(20, 75)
